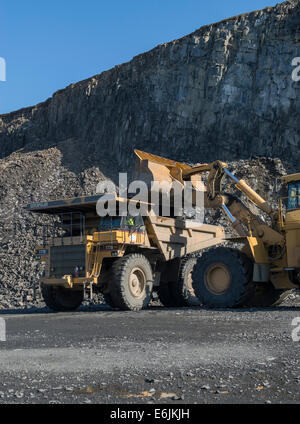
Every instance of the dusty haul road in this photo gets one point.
(189, 355)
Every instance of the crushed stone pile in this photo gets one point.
(39, 176)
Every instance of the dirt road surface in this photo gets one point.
(159, 355)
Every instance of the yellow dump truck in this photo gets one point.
(124, 257)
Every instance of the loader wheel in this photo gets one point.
(62, 299)
(182, 290)
(132, 282)
(222, 278)
(265, 294)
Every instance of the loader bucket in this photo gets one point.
(151, 168)
(156, 168)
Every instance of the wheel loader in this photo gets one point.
(124, 257)
(267, 265)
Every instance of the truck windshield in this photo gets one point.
(108, 223)
(121, 222)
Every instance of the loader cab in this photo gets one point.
(289, 219)
(289, 207)
(292, 199)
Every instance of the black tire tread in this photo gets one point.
(245, 265)
(165, 295)
(117, 289)
(179, 289)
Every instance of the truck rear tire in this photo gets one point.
(222, 278)
(166, 296)
(265, 295)
(132, 282)
(182, 290)
(61, 299)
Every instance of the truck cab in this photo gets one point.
(290, 219)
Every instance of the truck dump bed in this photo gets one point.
(173, 237)
(179, 237)
(53, 207)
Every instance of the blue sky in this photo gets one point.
(49, 44)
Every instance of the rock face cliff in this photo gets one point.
(223, 92)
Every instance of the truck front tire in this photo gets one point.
(132, 282)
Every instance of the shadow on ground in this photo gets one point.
(104, 307)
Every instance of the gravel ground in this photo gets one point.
(159, 355)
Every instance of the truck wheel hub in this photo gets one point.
(137, 283)
(217, 279)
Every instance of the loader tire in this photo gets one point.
(166, 296)
(265, 295)
(61, 299)
(132, 282)
(182, 290)
(222, 278)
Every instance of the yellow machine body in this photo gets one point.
(273, 247)
(162, 239)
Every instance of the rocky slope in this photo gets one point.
(222, 92)
(37, 175)
(41, 175)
